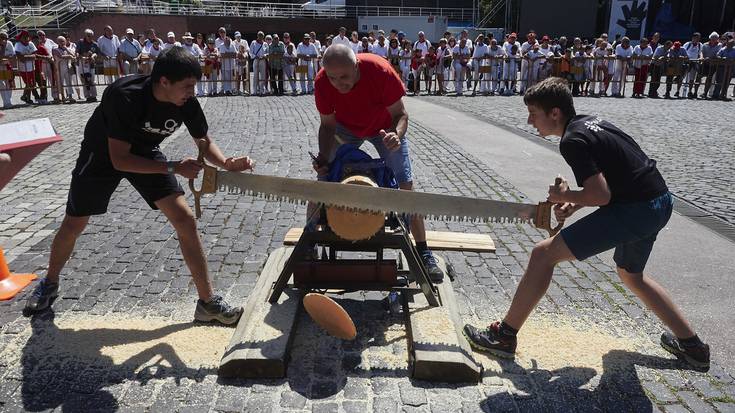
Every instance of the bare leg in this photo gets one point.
(63, 245)
(179, 214)
(545, 255)
(658, 300)
(418, 228)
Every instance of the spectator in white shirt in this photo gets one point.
(623, 53)
(7, 52)
(641, 62)
(709, 52)
(405, 61)
(170, 41)
(365, 46)
(355, 42)
(307, 54)
(25, 52)
(693, 50)
(422, 44)
(496, 55)
(221, 34)
(479, 59)
(129, 53)
(380, 47)
(461, 55)
(525, 64)
(241, 45)
(290, 60)
(510, 66)
(342, 38)
(258, 52)
(63, 57)
(194, 49)
(228, 54)
(109, 44)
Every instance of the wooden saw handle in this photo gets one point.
(209, 180)
(543, 214)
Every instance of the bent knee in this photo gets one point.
(183, 220)
(73, 225)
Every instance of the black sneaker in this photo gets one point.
(491, 340)
(697, 356)
(42, 296)
(435, 273)
(217, 309)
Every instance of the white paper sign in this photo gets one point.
(25, 131)
(628, 18)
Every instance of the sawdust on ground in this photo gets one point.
(119, 340)
(552, 342)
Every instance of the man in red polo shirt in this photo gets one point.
(360, 99)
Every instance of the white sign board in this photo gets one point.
(628, 18)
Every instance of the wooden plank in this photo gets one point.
(260, 344)
(437, 240)
(438, 349)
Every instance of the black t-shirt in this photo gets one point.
(129, 112)
(591, 145)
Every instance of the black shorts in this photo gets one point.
(94, 180)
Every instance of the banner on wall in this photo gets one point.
(628, 18)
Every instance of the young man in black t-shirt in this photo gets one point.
(634, 205)
(121, 140)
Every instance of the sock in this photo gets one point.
(693, 341)
(507, 330)
(421, 246)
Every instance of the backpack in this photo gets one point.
(350, 160)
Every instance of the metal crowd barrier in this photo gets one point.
(233, 73)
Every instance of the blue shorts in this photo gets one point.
(630, 228)
(398, 160)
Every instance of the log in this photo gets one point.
(355, 225)
(260, 345)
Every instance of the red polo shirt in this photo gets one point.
(364, 109)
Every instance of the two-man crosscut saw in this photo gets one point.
(372, 199)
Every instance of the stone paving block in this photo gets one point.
(694, 402)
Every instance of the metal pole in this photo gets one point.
(691, 15)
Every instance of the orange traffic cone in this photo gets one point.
(11, 284)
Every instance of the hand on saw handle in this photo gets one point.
(390, 140)
(562, 210)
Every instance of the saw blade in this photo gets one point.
(365, 198)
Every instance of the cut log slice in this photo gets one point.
(330, 316)
(355, 225)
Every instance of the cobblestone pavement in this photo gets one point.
(691, 140)
(128, 263)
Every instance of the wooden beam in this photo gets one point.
(259, 347)
(437, 240)
(438, 349)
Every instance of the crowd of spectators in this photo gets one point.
(273, 64)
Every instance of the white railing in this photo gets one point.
(266, 9)
(58, 13)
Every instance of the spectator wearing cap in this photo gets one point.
(725, 70)
(693, 50)
(341, 38)
(7, 59)
(25, 52)
(623, 54)
(676, 58)
(150, 54)
(276, 51)
(658, 68)
(129, 53)
(228, 65)
(422, 44)
(63, 57)
(307, 54)
(510, 66)
(109, 44)
(221, 34)
(258, 52)
(547, 51)
(642, 55)
(242, 75)
(287, 40)
(87, 51)
(196, 51)
(170, 41)
(709, 52)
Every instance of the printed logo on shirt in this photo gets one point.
(169, 127)
(593, 125)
